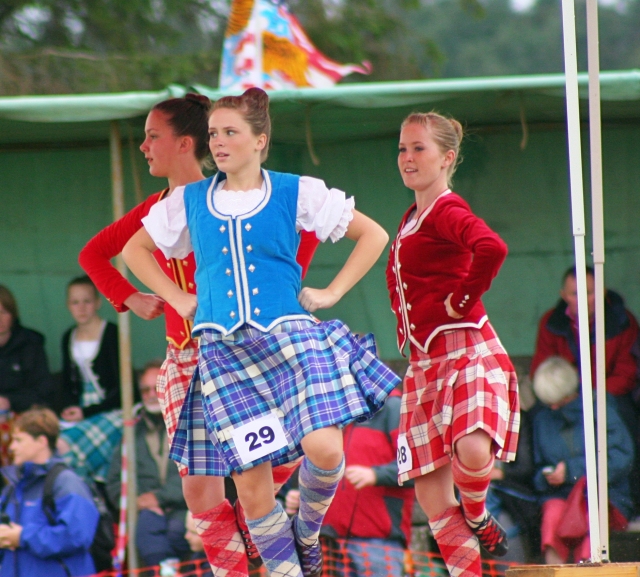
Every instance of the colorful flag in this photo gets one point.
(266, 46)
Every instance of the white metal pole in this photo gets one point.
(258, 66)
(577, 214)
(124, 338)
(597, 219)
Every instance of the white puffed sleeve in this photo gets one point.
(166, 224)
(325, 211)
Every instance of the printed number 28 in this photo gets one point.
(402, 455)
(266, 434)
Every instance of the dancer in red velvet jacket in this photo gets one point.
(176, 147)
(460, 406)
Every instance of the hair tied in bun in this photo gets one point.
(258, 97)
(199, 98)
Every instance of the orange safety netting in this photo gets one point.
(337, 563)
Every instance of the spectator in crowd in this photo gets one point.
(31, 544)
(90, 360)
(24, 370)
(90, 388)
(560, 463)
(161, 505)
(558, 336)
(368, 524)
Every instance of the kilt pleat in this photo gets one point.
(172, 386)
(310, 376)
(465, 382)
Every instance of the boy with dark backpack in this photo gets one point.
(34, 539)
(104, 540)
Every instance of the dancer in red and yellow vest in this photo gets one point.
(460, 405)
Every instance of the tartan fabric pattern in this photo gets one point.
(457, 544)
(172, 386)
(222, 543)
(465, 382)
(92, 394)
(310, 375)
(92, 442)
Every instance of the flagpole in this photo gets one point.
(577, 216)
(597, 219)
(257, 66)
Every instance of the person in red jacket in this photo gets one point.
(176, 148)
(460, 408)
(558, 337)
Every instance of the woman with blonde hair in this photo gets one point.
(460, 406)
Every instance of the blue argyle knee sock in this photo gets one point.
(317, 488)
(273, 537)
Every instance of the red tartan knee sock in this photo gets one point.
(458, 545)
(473, 485)
(282, 473)
(222, 542)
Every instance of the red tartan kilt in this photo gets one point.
(172, 386)
(465, 382)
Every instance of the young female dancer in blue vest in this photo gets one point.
(272, 383)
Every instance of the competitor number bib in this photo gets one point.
(405, 462)
(259, 438)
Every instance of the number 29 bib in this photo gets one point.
(259, 438)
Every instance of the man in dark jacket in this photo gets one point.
(161, 505)
(31, 544)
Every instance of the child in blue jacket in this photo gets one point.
(31, 546)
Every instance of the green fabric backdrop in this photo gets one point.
(56, 193)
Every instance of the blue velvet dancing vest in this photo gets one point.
(246, 269)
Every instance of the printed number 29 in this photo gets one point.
(266, 434)
(402, 455)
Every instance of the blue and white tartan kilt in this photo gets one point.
(310, 375)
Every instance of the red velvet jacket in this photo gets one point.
(557, 336)
(95, 259)
(450, 250)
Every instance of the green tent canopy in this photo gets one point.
(347, 111)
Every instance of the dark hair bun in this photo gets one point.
(198, 98)
(256, 98)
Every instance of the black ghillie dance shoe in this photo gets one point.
(310, 555)
(492, 536)
(253, 556)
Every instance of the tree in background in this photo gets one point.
(75, 46)
(506, 41)
(62, 46)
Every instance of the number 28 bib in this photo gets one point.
(259, 438)
(405, 460)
